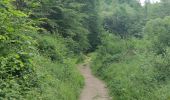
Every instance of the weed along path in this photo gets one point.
(94, 88)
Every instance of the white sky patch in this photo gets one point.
(152, 1)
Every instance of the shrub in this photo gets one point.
(130, 71)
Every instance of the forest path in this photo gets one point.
(94, 88)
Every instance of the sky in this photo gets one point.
(142, 1)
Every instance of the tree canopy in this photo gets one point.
(41, 41)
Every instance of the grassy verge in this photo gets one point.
(55, 67)
(129, 71)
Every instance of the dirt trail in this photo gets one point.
(94, 88)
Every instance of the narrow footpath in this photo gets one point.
(94, 88)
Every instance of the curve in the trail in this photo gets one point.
(94, 88)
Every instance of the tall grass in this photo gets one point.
(129, 70)
(59, 79)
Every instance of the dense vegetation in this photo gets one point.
(41, 41)
(133, 57)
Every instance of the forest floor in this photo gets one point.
(94, 88)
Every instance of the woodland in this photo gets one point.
(42, 41)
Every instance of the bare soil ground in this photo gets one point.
(94, 89)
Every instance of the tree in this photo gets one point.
(63, 18)
(92, 22)
(124, 22)
(158, 29)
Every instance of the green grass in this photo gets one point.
(131, 73)
(58, 81)
(129, 80)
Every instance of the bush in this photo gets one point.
(131, 72)
(58, 81)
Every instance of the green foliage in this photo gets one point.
(92, 22)
(17, 49)
(63, 18)
(34, 66)
(60, 81)
(131, 72)
(58, 78)
(159, 10)
(134, 68)
(41, 41)
(158, 29)
(124, 20)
